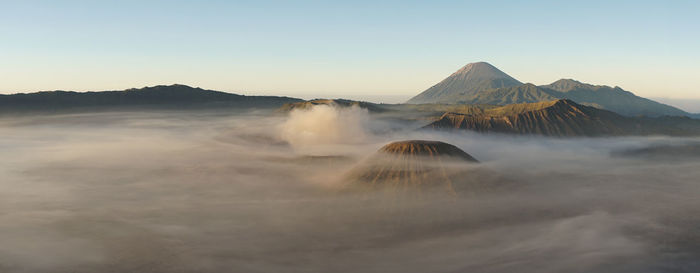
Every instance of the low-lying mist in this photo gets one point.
(221, 192)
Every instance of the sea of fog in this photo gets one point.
(254, 192)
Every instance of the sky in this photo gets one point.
(355, 49)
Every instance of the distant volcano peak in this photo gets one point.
(482, 83)
(482, 69)
(476, 66)
(468, 80)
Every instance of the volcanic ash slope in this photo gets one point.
(417, 166)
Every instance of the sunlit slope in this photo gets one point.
(415, 166)
(564, 118)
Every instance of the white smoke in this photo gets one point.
(308, 130)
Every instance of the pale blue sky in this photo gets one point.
(349, 48)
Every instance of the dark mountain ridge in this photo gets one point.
(162, 96)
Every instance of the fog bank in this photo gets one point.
(221, 192)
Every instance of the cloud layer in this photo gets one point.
(218, 192)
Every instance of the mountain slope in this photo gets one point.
(563, 118)
(421, 148)
(525, 93)
(467, 81)
(177, 96)
(481, 83)
(612, 98)
(403, 166)
(566, 85)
